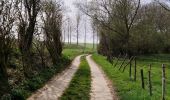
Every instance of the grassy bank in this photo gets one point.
(79, 88)
(29, 86)
(131, 90)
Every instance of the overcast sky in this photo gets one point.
(71, 12)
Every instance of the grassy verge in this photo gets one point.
(131, 90)
(79, 88)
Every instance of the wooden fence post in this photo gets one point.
(135, 70)
(163, 82)
(142, 79)
(150, 83)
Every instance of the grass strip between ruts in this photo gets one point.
(80, 85)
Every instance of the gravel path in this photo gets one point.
(56, 86)
(100, 85)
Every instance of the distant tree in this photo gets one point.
(85, 33)
(64, 35)
(78, 19)
(93, 31)
(68, 31)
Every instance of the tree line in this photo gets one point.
(129, 26)
(30, 39)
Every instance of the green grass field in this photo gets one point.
(71, 53)
(89, 47)
(131, 90)
(79, 88)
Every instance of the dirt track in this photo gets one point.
(101, 89)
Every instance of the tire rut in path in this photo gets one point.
(100, 86)
(56, 86)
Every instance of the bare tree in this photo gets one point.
(52, 29)
(7, 18)
(26, 29)
(39, 45)
(164, 4)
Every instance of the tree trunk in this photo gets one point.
(70, 35)
(27, 43)
(85, 36)
(68, 32)
(93, 38)
(77, 35)
(4, 85)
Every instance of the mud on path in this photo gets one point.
(101, 88)
(56, 86)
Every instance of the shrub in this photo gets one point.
(18, 94)
(6, 97)
(34, 83)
